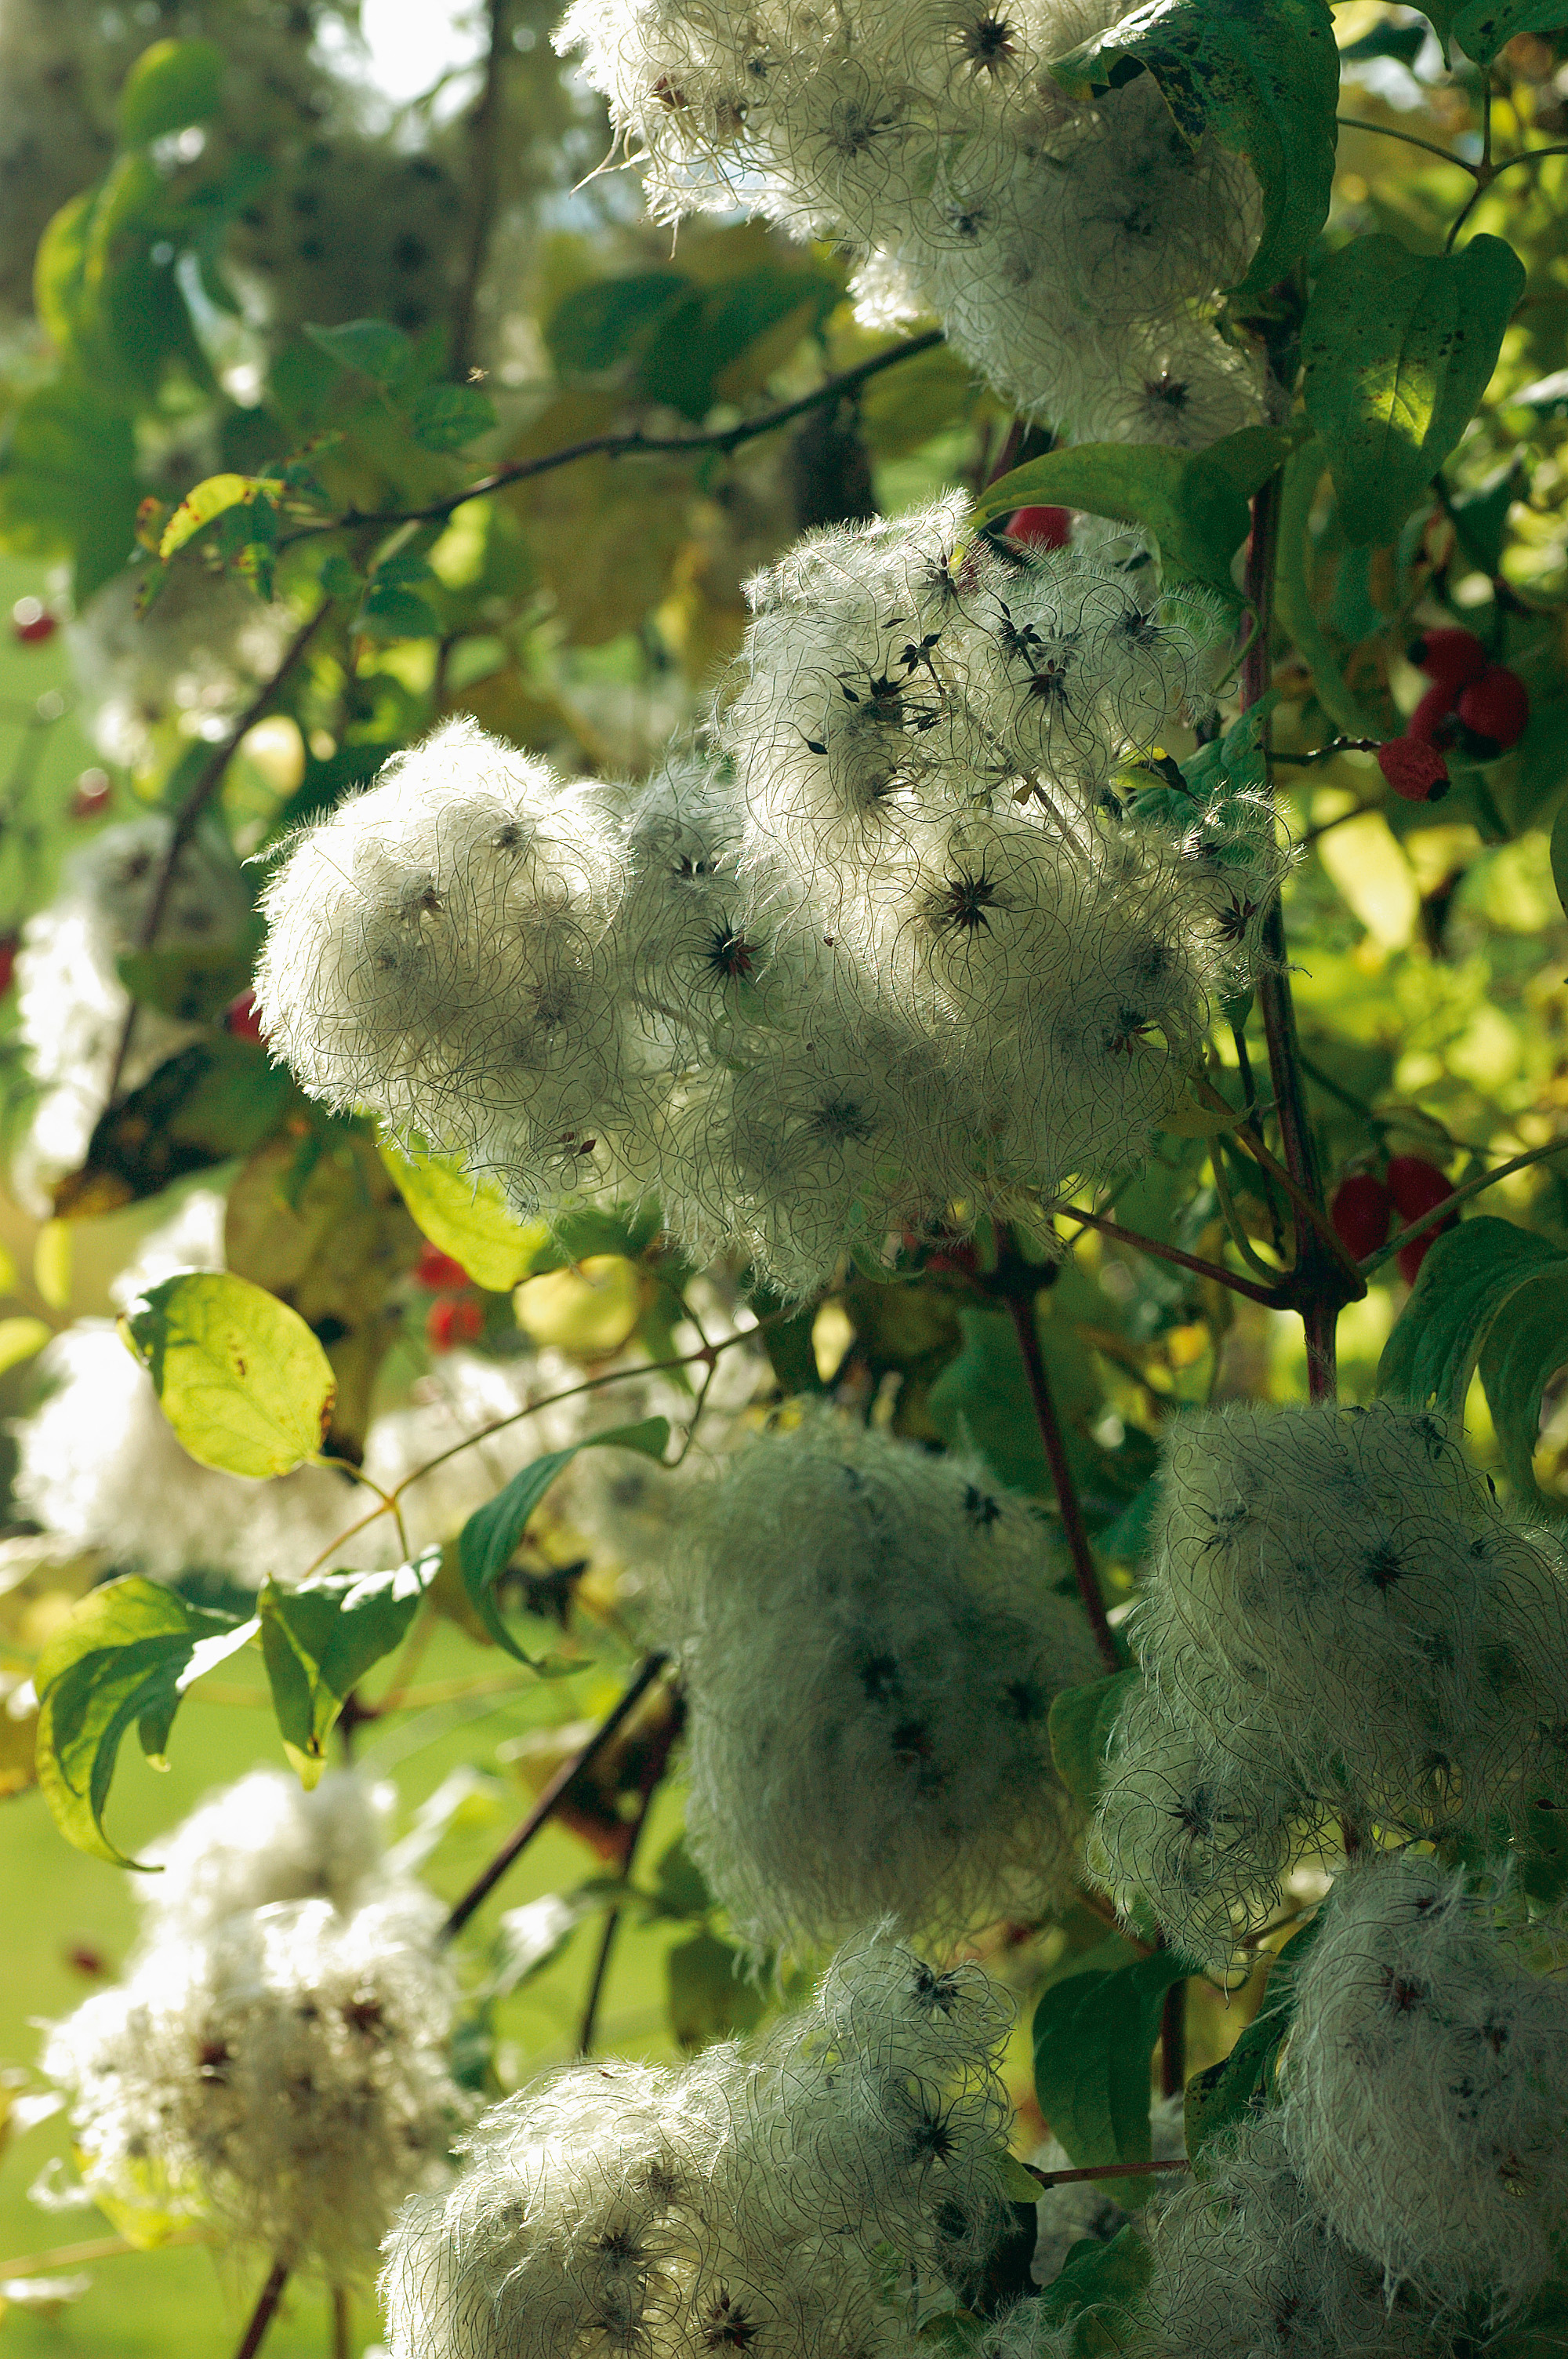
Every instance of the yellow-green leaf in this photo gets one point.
(210, 498)
(172, 83)
(19, 1339)
(466, 1217)
(319, 1640)
(241, 1378)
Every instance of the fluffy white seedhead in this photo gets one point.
(1338, 1598)
(1185, 1828)
(759, 2200)
(71, 1004)
(872, 1640)
(266, 1840)
(1245, 2268)
(886, 947)
(441, 949)
(1057, 243)
(286, 2077)
(192, 657)
(1426, 2078)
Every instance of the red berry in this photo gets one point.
(1414, 770)
(91, 795)
(1418, 1187)
(1452, 657)
(241, 1019)
(1426, 723)
(1495, 707)
(31, 622)
(439, 1271)
(452, 1319)
(9, 945)
(1362, 1212)
(1040, 528)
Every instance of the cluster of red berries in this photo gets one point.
(456, 1316)
(1364, 1207)
(1474, 706)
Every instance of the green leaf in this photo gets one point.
(1095, 2294)
(467, 1217)
(1398, 349)
(68, 482)
(171, 84)
(1261, 76)
(239, 1377)
(1494, 1297)
(1465, 1280)
(1560, 854)
(192, 986)
(487, 1540)
(127, 1653)
(448, 417)
(371, 348)
(1241, 2084)
(388, 611)
(701, 339)
(594, 327)
(680, 1888)
(212, 498)
(216, 1099)
(1093, 2036)
(710, 1997)
(1195, 503)
(1484, 26)
(1079, 1726)
(1481, 519)
(320, 1638)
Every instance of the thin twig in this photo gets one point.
(208, 780)
(611, 1927)
(1451, 1203)
(1387, 131)
(633, 443)
(1073, 1526)
(96, 2249)
(340, 2301)
(485, 139)
(1106, 2170)
(265, 2312)
(1269, 1296)
(1319, 1283)
(1526, 155)
(1173, 2041)
(489, 1877)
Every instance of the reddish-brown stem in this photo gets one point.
(1173, 2041)
(207, 785)
(1319, 1287)
(1023, 1308)
(632, 445)
(1268, 1295)
(1106, 2170)
(489, 1877)
(265, 2312)
(611, 1927)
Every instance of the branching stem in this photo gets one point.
(489, 1877)
(1022, 1306)
(633, 443)
(208, 780)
